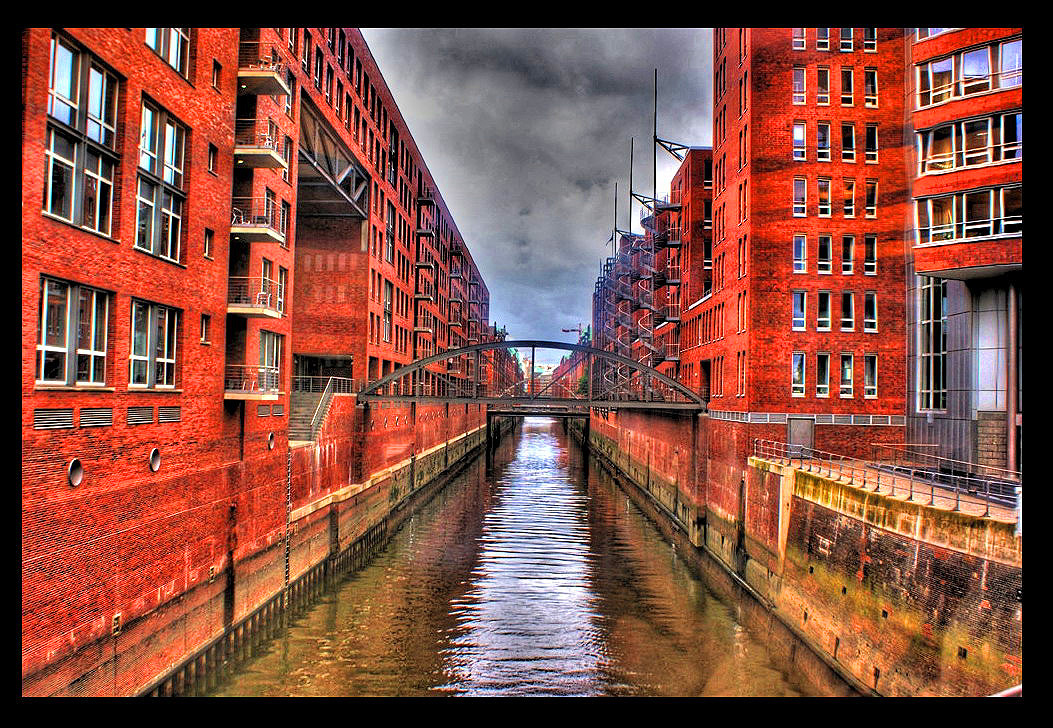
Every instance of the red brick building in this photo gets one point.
(213, 220)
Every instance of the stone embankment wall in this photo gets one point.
(215, 560)
(894, 598)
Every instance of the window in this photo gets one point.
(846, 86)
(822, 39)
(797, 384)
(290, 98)
(213, 154)
(981, 213)
(970, 143)
(824, 197)
(822, 93)
(798, 85)
(388, 294)
(798, 39)
(799, 147)
(932, 343)
(799, 196)
(848, 142)
(73, 326)
(822, 319)
(173, 45)
(870, 255)
(217, 71)
(970, 72)
(798, 320)
(870, 40)
(871, 142)
(209, 239)
(870, 311)
(159, 195)
(848, 313)
(283, 287)
(846, 40)
(800, 254)
(823, 141)
(870, 375)
(206, 324)
(822, 375)
(823, 264)
(80, 155)
(151, 362)
(329, 84)
(871, 198)
(923, 33)
(870, 93)
(319, 64)
(846, 375)
(850, 198)
(848, 244)
(270, 360)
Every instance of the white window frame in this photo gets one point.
(800, 253)
(798, 39)
(870, 376)
(822, 153)
(846, 45)
(800, 141)
(869, 44)
(848, 151)
(870, 100)
(797, 363)
(870, 261)
(825, 266)
(799, 316)
(870, 153)
(849, 209)
(822, 322)
(822, 384)
(848, 97)
(158, 353)
(870, 325)
(822, 40)
(173, 46)
(931, 395)
(800, 206)
(850, 319)
(825, 205)
(822, 93)
(800, 95)
(869, 210)
(845, 388)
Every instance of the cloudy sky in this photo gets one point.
(526, 133)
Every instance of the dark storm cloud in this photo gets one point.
(526, 133)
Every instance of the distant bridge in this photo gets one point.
(486, 374)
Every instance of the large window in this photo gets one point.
(971, 143)
(800, 185)
(870, 311)
(160, 197)
(800, 254)
(850, 198)
(870, 87)
(980, 213)
(847, 94)
(823, 187)
(799, 142)
(846, 375)
(870, 375)
(823, 264)
(848, 254)
(73, 325)
(871, 142)
(152, 360)
(173, 45)
(822, 94)
(80, 155)
(822, 316)
(974, 71)
(848, 142)
(798, 85)
(823, 141)
(932, 343)
(270, 360)
(848, 311)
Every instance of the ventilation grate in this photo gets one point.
(842, 419)
(96, 416)
(278, 410)
(52, 419)
(169, 414)
(263, 410)
(140, 415)
(824, 419)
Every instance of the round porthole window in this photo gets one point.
(270, 441)
(75, 472)
(155, 460)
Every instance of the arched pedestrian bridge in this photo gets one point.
(502, 375)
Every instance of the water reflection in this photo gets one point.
(538, 577)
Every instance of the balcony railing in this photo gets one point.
(261, 69)
(1008, 226)
(256, 218)
(974, 157)
(255, 296)
(258, 143)
(249, 379)
(341, 385)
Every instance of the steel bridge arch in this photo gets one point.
(375, 390)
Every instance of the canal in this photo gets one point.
(536, 576)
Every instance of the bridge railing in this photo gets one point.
(970, 494)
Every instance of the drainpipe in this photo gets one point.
(1011, 382)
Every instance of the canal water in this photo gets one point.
(536, 576)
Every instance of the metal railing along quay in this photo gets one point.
(982, 496)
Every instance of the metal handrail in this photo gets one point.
(259, 56)
(254, 212)
(255, 291)
(902, 447)
(859, 473)
(251, 378)
(341, 385)
(323, 406)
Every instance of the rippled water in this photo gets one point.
(537, 577)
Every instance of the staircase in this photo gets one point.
(302, 406)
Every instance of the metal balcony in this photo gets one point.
(255, 297)
(255, 219)
(261, 72)
(258, 144)
(251, 382)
